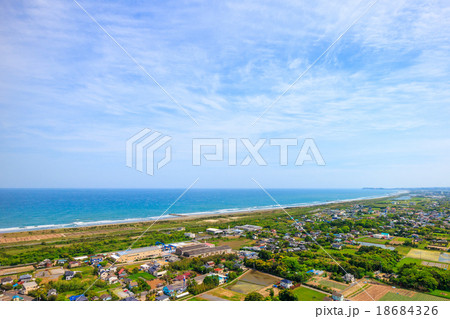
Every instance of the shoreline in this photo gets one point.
(195, 215)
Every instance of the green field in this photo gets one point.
(197, 299)
(306, 294)
(391, 296)
(143, 275)
(403, 250)
(440, 293)
(408, 260)
(373, 240)
(332, 284)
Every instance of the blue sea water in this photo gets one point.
(29, 209)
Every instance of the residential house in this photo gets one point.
(286, 283)
(336, 246)
(337, 296)
(75, 263)
(7, 280)
(132, 284)
(105, 297)
(162, 298)
(175, 289)
(349, 277)
(28, 286)
(25, 278)
(68, 275)
(52, 292)
(112, 279)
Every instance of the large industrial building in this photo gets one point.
(137, 254)
(202, 250)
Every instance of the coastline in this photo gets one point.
(188, 216)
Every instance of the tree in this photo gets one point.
(254, 296)
(287, 295)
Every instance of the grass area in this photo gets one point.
(372, 240)
(85, 270)
(197, 299)
(358, 291)
(332, 284)
(392, 296)
(440, 293)
(408, 260)
(306, 294)
(227, 294)
(430, 255)
(403, 250)
(235, 243)
(143, 275)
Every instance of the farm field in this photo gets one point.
(234, 243)
(332, 284)
(417, 296)
(441, 293)
(252, 281)
(227, 294)
(372, 240)
(306, 294)
(430, 255)
(403, 250)
(408, 260)
(143, 275)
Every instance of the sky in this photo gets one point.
(376, 104)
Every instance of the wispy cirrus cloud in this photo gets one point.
(67, 89)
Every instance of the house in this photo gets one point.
(44, 264)
(349, 277)
(75, 263)
(7, 280)
(210, 264)
(175, 289)
(68, 275)
(189, 235)
(52, 292)
(25, 278)
(132, 284)
(129, 299)
(96, 259)
(337, 296)
(186, 275)
(214, 231)
(17, 298)
(61, 261)
(222, 278)
(112, 279)
(105, 297)
(78, 298)
(162, 298)
(218, 270)
(286, 283)
(336, 246)
(28, 286)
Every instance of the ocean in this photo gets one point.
(32, 209)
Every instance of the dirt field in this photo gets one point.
(253, 281)
(376, 291)
(430, 264)
(10, 240)
(424, 254)
(15, 270)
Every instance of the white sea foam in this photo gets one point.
(78, 224)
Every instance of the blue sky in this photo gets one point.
(377, 104)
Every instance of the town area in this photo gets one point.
(389, 249)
